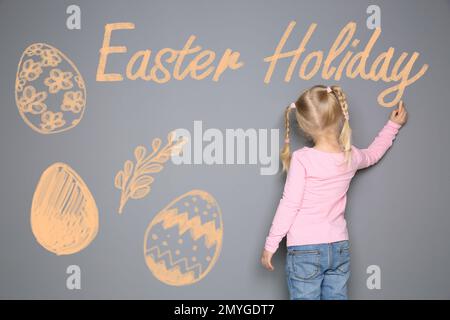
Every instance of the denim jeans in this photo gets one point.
(318, 271)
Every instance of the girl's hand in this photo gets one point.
(266, 260)
(399, 115)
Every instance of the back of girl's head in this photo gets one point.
(319, 112)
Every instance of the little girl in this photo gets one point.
(311, 210)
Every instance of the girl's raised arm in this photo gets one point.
(382, 142)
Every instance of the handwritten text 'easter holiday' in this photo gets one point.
(202, 64)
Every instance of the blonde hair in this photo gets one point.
(318, 110)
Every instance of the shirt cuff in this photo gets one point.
(394, 124)
(270, 248)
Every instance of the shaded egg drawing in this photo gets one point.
(50, 91)
(64, 216)
(183, 242)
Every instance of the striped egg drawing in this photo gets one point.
(50, 92)
(64, 216)
(183, 242)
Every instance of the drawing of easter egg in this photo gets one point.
(50, 91)
(183, 242)
(64, 216)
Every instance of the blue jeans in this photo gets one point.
(318, 271)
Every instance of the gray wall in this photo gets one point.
(397, 210)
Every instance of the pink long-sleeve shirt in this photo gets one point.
(311, 210)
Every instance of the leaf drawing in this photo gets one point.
(135, 179)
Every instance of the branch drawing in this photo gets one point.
(135, 179)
